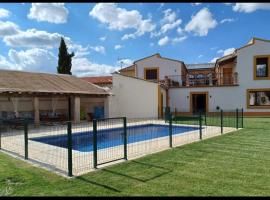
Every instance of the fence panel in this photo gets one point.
(82, 147)
(12, 137)
(110, 140)
(186, 129)
(146, 136)
(47, 144)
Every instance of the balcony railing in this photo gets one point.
(216, 79)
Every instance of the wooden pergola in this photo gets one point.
(36, 85)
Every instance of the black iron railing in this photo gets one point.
(216, 79)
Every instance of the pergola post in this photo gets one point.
(69, 108)
(36, 110)
(77, 106)
(106, 107)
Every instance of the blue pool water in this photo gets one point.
(113, 137)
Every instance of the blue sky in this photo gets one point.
(102, 34)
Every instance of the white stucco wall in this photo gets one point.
(166, 67)
(224, 97)
(133, 98)
(228, 97)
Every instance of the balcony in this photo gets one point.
(191, 80)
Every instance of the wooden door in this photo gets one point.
(227, 76)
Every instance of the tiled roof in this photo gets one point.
(98, 79)
(30, 82)
(200, 65)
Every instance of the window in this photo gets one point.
(151, 73)
(261, 67)
(259, 98)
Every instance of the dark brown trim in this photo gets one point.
(202, 86)
(191, 97)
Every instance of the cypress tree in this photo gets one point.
(64, 59)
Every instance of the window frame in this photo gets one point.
(255, 77)
(151, 68)
(256, 106)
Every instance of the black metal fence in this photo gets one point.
(76, 148)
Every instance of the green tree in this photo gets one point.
(64, 59)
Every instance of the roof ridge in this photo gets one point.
(32, 72)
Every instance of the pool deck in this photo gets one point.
(55, 158)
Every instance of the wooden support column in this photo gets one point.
(77, 107)
(106, 107)
(167, 98)
(36, 110)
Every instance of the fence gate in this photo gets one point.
(109, 140)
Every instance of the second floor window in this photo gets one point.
(151, 74)
(262, 67)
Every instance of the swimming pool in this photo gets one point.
(106, 138)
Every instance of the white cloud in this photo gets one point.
(8, 28)
(250, 7)
(79, 49)
(84, 67)
(173, 25)
(226, 51)
(160, 6)
(4, 13)
(168, 22)
(180, 30)
(179, 39)
(34, 38)
(227, 20)
(213, 48)
(103, 38)
(195, 4)
(5, 64)
(99, 49)
(163, 41)
(169, 16)
(119, 19)
(201, 23)
(200, 56)
(214, 60)
(118, 46)
(48, 12)
(125, 62)
(33, 60)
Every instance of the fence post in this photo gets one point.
(0, 134)
(69, 144)
(170, 131)
(125, 137)
(242, 114)
(25, 139)
(200, 123)
(95, 143)
(221, 121)
(236, 118)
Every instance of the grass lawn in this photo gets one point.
(233, 164)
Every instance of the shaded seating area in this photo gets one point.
(41, 97)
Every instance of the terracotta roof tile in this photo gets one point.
(98, 79)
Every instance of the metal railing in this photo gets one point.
(216, 79)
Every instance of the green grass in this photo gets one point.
(229, 165)
(213, 119)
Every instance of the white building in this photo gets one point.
(238, 80)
